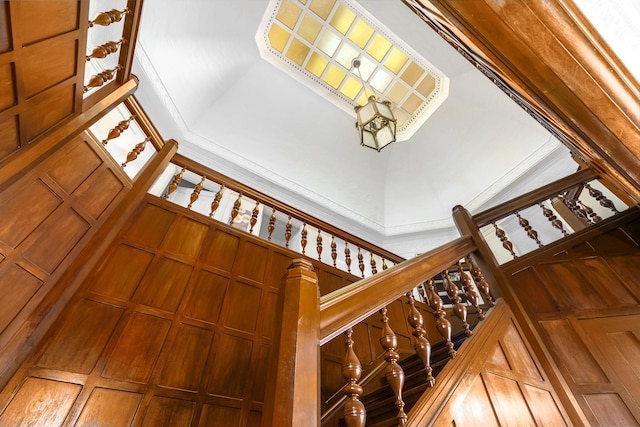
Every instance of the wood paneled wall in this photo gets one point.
(583, 296)
(42, 48)
(495, 380)
(174, 327)
(46, 217)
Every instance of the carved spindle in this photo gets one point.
(533, 234)
(442, 323)
(577, 210)
(470, 292)
(303, 240)
(548, 213)
(101, 78)
(254, 216)
(105, 49)
(601, 198)
(506, 243)
(481, 283)
(393, 372)
(421, 344)
(133, 154)
(347, 256)
(272, 223)
(177, 179)
(216, 201)
(236, 209)
(287, 232)
(459, 309)
(334, 251)
(117, 130)
(361, 262)
(319, 245)
(593, 216)
(109, 17)
(355, 414)
(374, 270)
(384, 264)
(196, 192)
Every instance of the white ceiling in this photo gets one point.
(204, 84)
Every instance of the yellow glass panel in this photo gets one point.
(322, 8)
(316, 64)
(346, 55)
(361, 34)
(334, 76)
(351, 88)
(379, 47)
(297, 51)
(309, 28)
(380, 80)
(343, 18)
(328, 42)
(401, 117)
(412, 103)
(397, 93)
(396, 60)
(289, 13)
(426, 86)
(412, 73)
(364, 96)
(278, 37)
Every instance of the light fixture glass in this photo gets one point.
(375, 120)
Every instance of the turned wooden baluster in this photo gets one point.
(287, 232)
(109, 17)
(303, 240)
(133, 154)
(548, 213)
(374, 270)
(601, 198)
(355, 414)
(442, 323)
(334, 251)
(506, 243)
(384, 264)
(117, 130)
(319, 245)
(393, 372)
(593, 216)
(347, 256)
(421, 344)
(216, 201)
(101, 78)
(254, 216)
(472, 295)
(272, 223)
(575, 208)
(481, 283)
(459, 309)
(196, 192)
(236, 209)
(533, 234)
(177, 179)
(361, 262)
(105, 49)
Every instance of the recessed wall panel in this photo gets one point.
(5, 28)
(9, 137)
(47, 63)
(48, 108)
(39, 20)
(7, 84)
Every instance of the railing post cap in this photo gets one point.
(301, 263)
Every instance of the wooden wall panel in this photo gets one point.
(9, 136)
(44, 19)
(175, 324)
(48, 63)
(591, 334)
(5, 28)
(7, 84)
(44, 223)
(48, 108)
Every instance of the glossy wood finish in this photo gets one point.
(532, 45)
(495, 380)
(590, 322)
(41, 69)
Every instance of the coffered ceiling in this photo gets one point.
(208, 82)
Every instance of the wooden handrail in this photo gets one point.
(351, 304)
(507, 208)
(245, 190)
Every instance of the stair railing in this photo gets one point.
(545, 215)
(308, 321)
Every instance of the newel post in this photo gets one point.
(292, 396)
